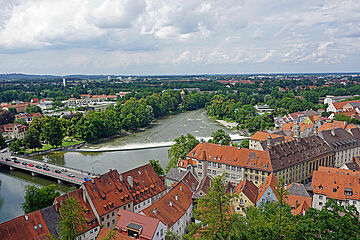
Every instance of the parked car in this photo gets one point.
(71, 175)
(38, 166)
(86, 179)
(16, 161)
(13, 158)
(64, 170)
(24, 163)
(31, 165)
(46, 169)
(8, 159)
(57, 171)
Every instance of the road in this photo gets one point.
(60, 173)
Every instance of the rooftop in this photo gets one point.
(249, 189)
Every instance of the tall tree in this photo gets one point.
(38, 198)
(213, 211)
(182, 145)
(6, 117)
(52, 131)
(220, 136)
(31, 139)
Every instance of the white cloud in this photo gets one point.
(176, 33)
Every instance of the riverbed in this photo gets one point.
(99, 159)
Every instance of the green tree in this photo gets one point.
(6, 117)
(72, 220)
(157, 167)
(182, 146)
(333, 221)
(220, 136)
(21, 121)
(213, 211)
(2, 142)
(53, 132)
(33, 109)
(245, 143)
(38, 198)
(169, 235)
(31, 139)
(15, 146)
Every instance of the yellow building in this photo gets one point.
(246, 196)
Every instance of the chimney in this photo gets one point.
(130, 181)
(121, 177)
(26, 217)
(220, 143)
(171, 203)
(332, 132)
(201, 140)
(176, 197)
(155, 211)
(239, 147)
(92, 181)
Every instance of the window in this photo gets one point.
(108, 224)
(112, 214)
(113, 221)
(102, 219)
(161, 232)
(199, 174)
(214, 172)
(107, 216)
(320, 197)
(320, 203)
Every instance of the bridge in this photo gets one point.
(60, 173)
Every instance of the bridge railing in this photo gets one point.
(46, 173)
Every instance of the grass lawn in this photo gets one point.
(66, 143)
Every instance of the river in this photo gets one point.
(99, 159)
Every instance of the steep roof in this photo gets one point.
(232, 156)
(148, 224)
(337, 183)
(146, 183)
(297, 189)
(29, 226)
(204, 185)
(52, 219)
(87, 213)
(338, 137)
(249, 189)
(108, 192)
(290, 126)
(271, 181)
(190, 181)
(340, 105)
(332, 125)
(175, 174)
(104, 233)
(172, 206)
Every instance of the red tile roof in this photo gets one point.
(149, 224)
(263, 135)
(190, 181)
(88, 213)
(249, 189)
(104, 234)
(172, 206)
(332, 125)
(290, 126)
(20, 228)
(340, 105)
(232, 156)
(334, 182)
(146, 183)
(271, 181)
(108, 192)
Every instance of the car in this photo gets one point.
(64, 170)
(24, 163)
(86, 179)
(38, 166)
(71, 175)
(8, 159)
(14, 158)
(31, 165)
(16, 161)
(57, 171)
(46, 169)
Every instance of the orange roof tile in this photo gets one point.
(340, 105)
(108, 192)
(290, 126)
(146, 183)
(334, 182)
(249, 189)
(332, 125)
(30, 226)
(297, 203)
(104, 233)
(271, 181)
(263, 135)
(190, 181)
(172, 206)
(243, 157)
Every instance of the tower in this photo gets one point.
(64, 81)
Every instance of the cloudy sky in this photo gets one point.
(179, 36)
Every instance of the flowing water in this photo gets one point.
(121, 153)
